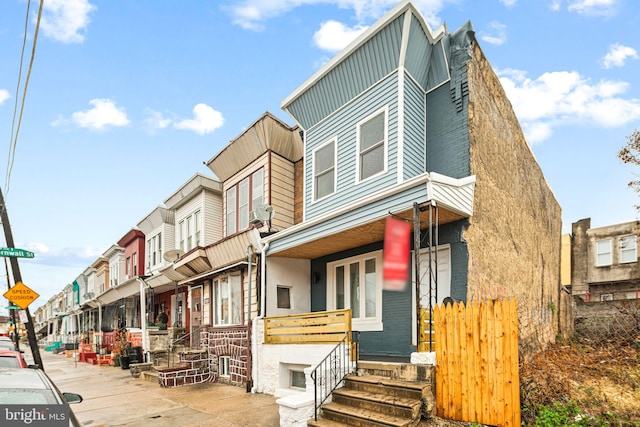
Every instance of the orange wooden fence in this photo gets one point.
(477, 376)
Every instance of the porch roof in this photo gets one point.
(362, 223)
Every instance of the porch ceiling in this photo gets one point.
(362, 235)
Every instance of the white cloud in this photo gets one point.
(497, 35)
(618, 54)
(252, 14)
(66, 20)
(103, 113)
(156, 121)
(334, 36)
(508, 3)
(205, 120)
(561, 97)
(592, 7)
(4, 95)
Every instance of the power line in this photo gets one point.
(14, 138)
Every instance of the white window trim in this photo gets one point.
(364, 324)
(224, 361)
(635, 248)
(333, 140)
(384, 110)
(216, 308)
(597, 252)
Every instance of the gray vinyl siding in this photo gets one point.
(448, 126)
(395, 340)
(414, 150)
(364, 214)
(344, 127)
(362, 69)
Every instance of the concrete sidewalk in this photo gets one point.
(112, 397)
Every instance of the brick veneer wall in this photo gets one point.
(232, 342)
(514, 235)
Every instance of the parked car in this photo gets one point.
(7, 345)
(34, 387)
(12, 359)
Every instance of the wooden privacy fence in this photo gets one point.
(477, 377)
(322, 327)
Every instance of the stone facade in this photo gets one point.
(514, 235)
(234, 343)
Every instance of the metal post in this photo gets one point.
(416, 262)
(17, 277)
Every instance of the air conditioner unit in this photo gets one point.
(253, 218)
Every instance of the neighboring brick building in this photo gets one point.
(604, 261)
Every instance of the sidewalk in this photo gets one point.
(112, 397)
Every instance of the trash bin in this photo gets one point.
(135, 355)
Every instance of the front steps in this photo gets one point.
(400, 398)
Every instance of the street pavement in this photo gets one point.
(112, 397)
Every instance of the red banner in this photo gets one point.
(395, 265)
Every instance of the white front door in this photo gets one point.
(440, 282)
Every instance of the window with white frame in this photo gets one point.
(227, 295)
(628, 249)
(324, 170)
(356, 283)
(603, 252)
(241, 199)
(134, 262)
(372, 136)
(114, 274)
(224, 366)
(190, 231)
(154, 251)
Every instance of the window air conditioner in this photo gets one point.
(253, 218)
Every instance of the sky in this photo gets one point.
(120, 102)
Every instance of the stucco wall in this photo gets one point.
(514, 235)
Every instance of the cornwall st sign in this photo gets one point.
(15, 253)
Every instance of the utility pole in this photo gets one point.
(17, 277)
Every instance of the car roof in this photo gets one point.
(24, 378)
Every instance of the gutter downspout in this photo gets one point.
(263, 309)
(143, 317)
(249, 253)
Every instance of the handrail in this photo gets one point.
(340, 362)
(171, 345)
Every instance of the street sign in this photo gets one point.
(16, 253)
(21, 295)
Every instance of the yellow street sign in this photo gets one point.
(21, 295)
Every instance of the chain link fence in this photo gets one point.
(595, 375)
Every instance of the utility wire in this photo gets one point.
(14, 138)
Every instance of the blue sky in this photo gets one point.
(127, 99)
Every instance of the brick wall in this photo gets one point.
(232, 342)
(514, 235)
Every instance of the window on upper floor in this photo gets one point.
(114, 273)
(603, 253)
(134, 262)
(127, 268)
(371, 145)
(356, 283)
(324, 170)
(241, 199)
(190, 231)
(154, 251)
(628, 249)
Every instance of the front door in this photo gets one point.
(196, 315)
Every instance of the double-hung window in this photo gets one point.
(356, 283)
(190, 230)
(227, 300)
(372, 151)
(628, 249)
(324, 170)
(241, 199)
(603, 253)
(154, 250)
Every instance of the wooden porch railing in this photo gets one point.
(322, 327)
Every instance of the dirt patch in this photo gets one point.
(602, 379)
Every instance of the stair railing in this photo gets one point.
(331, 371)
(171, 345)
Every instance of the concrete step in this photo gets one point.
(404, 407)
(322, 422)
(358, 417)
(381, 385)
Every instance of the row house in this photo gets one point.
(406, 123)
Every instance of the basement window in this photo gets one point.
(224, 366)
(297, 380)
